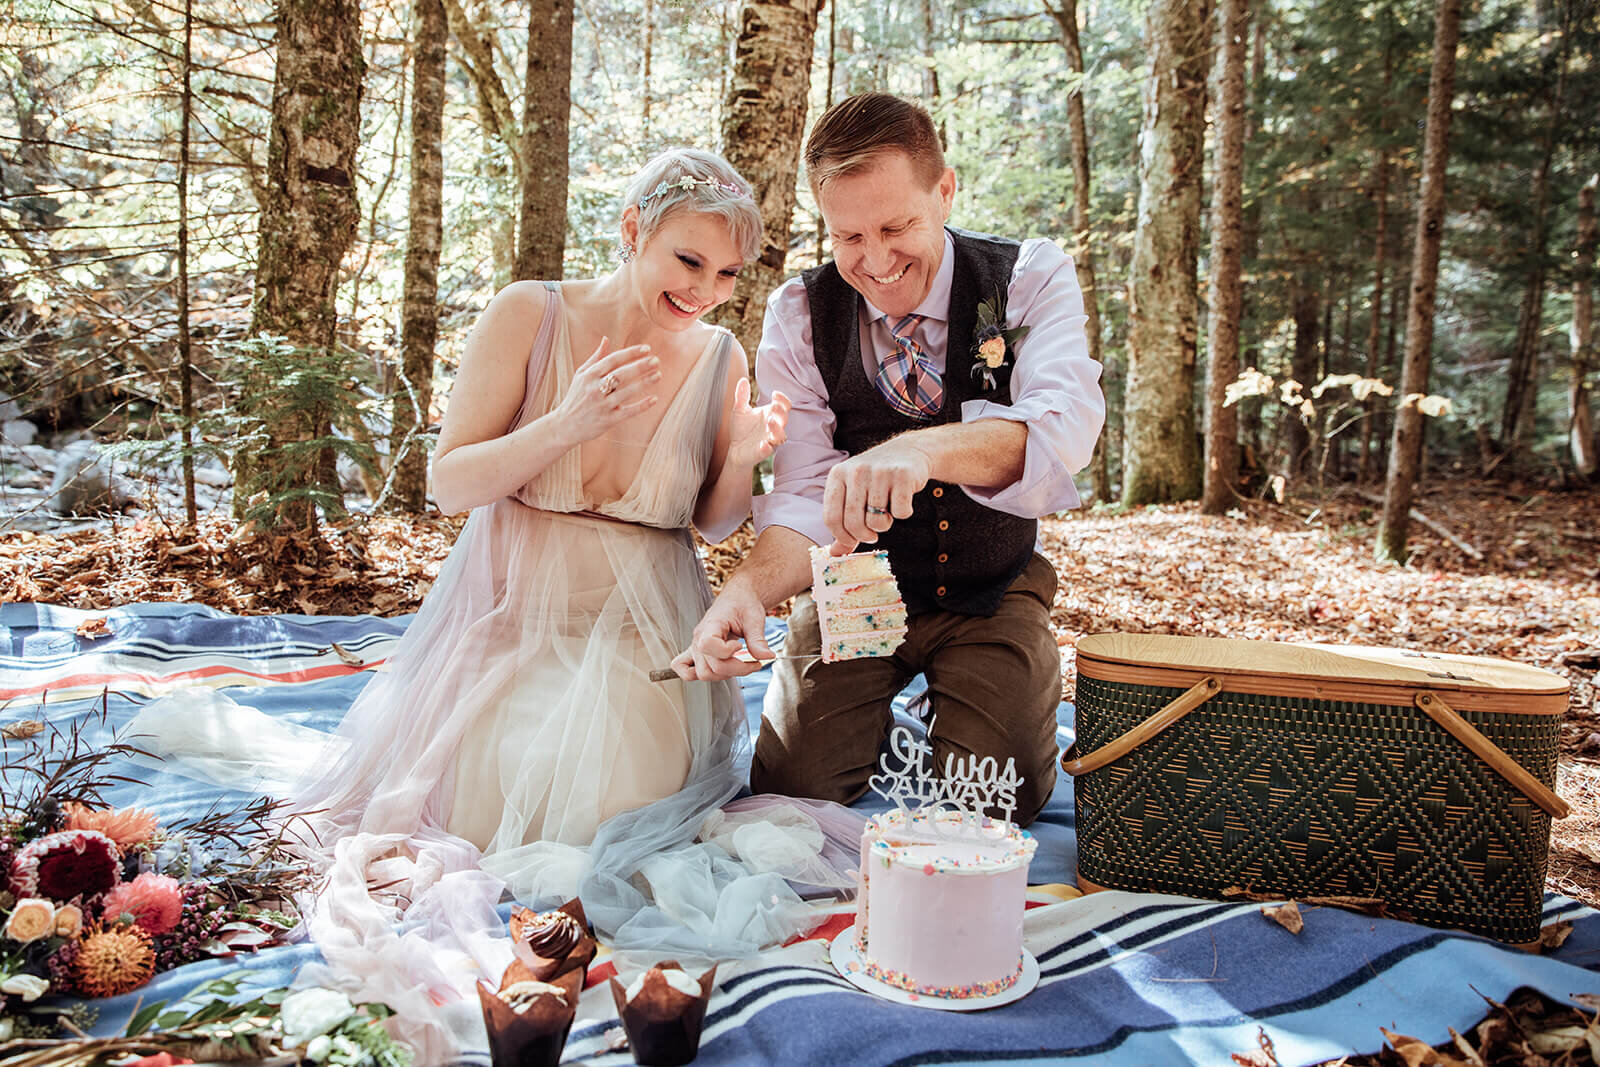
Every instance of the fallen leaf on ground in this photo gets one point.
(1286, 916)
(94, 628)
(1417, 1053)
(350, 659)
(1554, 935)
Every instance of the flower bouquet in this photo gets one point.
(95, 899)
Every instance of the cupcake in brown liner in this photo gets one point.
(551, 943)
(662, 1011)
(527, 1021)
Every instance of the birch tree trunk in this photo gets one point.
(546, 111)
(766, 114)
(1161, 461)
(1227, 264)
(1580, 419)
(1066, 16)
(419, 330)
(311, 213)
(1405, 450)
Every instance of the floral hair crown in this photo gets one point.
(687, 183)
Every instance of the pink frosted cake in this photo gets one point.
(859, 609)
(940, 914)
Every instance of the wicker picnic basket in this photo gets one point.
(1422, 780)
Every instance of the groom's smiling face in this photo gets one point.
(887, 227)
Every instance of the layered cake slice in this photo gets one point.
(859, 609)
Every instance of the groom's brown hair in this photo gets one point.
(858, 128)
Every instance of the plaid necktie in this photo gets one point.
(906, 377)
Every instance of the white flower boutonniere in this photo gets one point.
(994, 346)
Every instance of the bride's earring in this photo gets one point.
(625, 253)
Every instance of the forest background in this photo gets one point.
(1338, 260)
(251, 238)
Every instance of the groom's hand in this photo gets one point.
(866, 493)
(736, 620)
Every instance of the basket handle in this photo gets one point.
(1492, 754)
(1198, 694)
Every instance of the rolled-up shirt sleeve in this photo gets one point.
(800, 465)
(1055, 386)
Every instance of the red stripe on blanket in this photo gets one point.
(100, 681)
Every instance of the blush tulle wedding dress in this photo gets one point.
(516, 742)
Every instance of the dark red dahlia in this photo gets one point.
(65, 865)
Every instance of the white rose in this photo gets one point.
(27, 986)
(319, 1048)
(6, 1028)
(307, 1013)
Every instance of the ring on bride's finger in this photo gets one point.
(609, 385)
(876, 511)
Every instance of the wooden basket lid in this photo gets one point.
(1344, 663)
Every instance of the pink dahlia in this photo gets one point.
(71, 863)
(154, 900)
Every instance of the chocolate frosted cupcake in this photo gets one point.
(527, 1021)
(552, 943)
(662, 1011)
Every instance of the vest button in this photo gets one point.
(939, 591)
(944, 524)
(944, 557)
(938, 491)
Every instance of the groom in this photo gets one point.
(943, 394)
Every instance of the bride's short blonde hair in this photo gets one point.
(689, 179)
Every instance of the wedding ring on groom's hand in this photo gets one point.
(608, 385)
(876, 511)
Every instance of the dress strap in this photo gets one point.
(539, 356)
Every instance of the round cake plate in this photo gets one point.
(847, 961)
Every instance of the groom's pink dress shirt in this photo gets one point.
(1055, 389)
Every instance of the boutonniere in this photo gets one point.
(994, 346)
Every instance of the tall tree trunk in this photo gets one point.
(761, 138)
(546, 111)
(419, 330)
(1522, 378)
(311, 214)
(501, 158)
(930, 71)
(1249, 409)
(1405, 450)
(1226, 288)
(191, 513)
(1304, 303)
(1066, 16)
(644, 68)
(1580, 419)
(1161, 460)
(1380, 252)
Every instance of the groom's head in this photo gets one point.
(878, 172)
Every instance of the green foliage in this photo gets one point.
(287, 399)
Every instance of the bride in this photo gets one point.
(516, 739)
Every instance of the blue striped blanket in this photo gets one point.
(1125, 978)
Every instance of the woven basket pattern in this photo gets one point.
(1304, 797)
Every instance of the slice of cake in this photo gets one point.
(859, 609)
(968, 883)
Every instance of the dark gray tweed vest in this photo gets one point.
(953, 554)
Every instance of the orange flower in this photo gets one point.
(113, 960)
(154, 900)
(127, 827)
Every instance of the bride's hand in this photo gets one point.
(609, 388)
(753, 433)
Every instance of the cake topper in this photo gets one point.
(969, 786)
